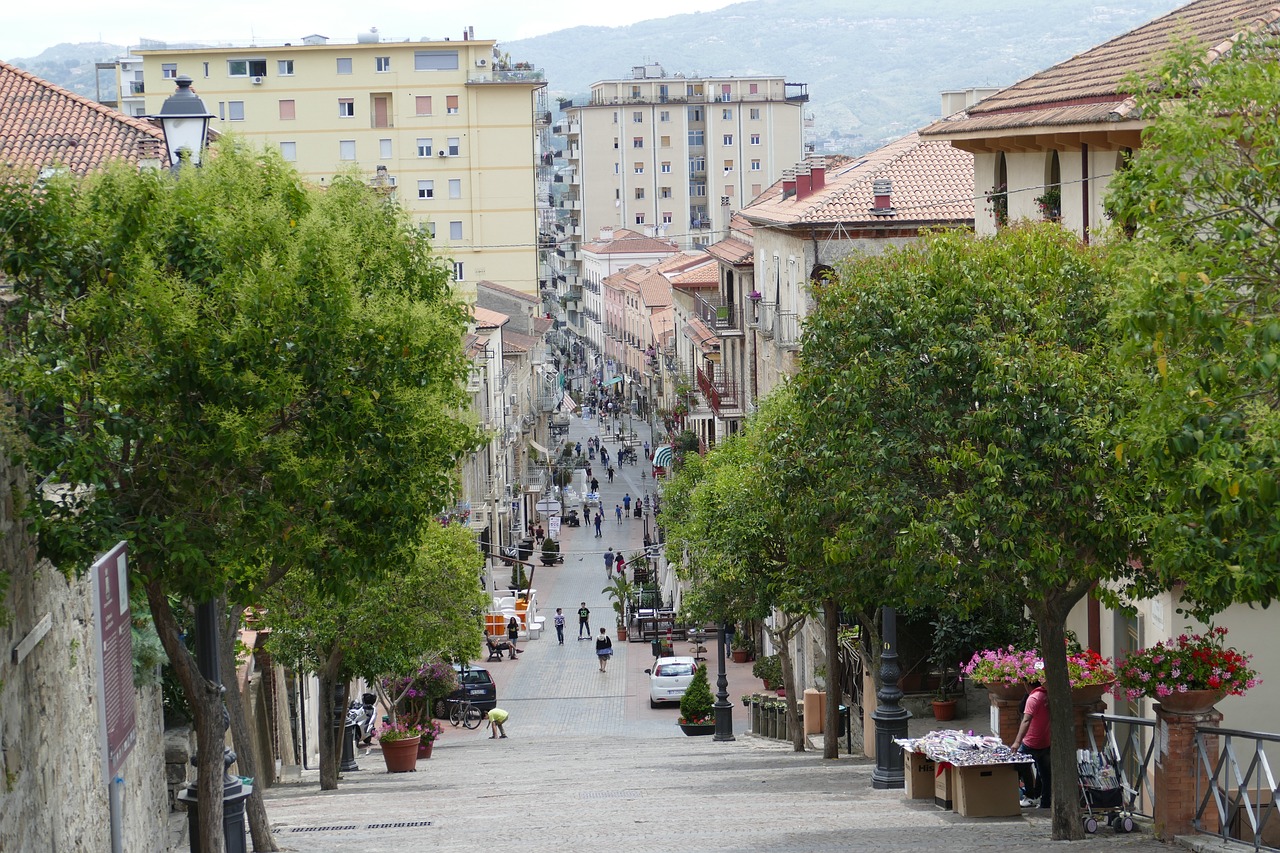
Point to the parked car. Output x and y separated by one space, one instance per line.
477 685
669 678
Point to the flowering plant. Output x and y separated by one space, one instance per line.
430 731
1194 662
414 695
1003 666
754 296
399 731
1087 667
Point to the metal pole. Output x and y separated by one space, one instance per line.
724 708
890 717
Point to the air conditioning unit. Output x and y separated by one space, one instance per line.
257 81
442 153
481 63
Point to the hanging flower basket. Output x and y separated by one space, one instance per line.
1186 664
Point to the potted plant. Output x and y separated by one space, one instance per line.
952 636
620 590
696 708
519 580
743 647
550 552
412 697
769 670
1050 204
1188 674
998 198
431 730
1091 676
399 742
1005 672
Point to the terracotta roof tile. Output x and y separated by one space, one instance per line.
701 335
732 251
515 294
1086 88
699 277
931 182
541 325
655 290
45 125
627 242
514 342
486 319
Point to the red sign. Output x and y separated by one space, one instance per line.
114 652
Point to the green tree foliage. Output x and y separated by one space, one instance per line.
1201 315
968 388
696 705
237 373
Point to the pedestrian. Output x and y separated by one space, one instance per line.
1033 739
610 473
646 450
617 510
589 476
604 649
626 502
608 562
494 719
584 622
620 563
559 623
577 449
513 634
539 534
599 517
595 484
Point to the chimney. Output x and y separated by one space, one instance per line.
818 173
606 233
882 190
804 182
788 183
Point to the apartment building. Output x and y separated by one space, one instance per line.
449 126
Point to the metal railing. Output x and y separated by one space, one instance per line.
721 394
1243 795
786 328
1131 742
719 315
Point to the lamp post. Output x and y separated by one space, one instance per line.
890 717
724 708
185 121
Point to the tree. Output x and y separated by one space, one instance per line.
236 373
976 373
1200 312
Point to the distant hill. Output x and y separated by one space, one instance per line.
71 67
875 68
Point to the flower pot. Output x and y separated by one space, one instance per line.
1191 702
782 692
401 756
424 748
698 729
740 655
1089 693
944 709
1007 692
622 633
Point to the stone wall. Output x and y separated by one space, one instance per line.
54 797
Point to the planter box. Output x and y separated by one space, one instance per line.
697 729
987 791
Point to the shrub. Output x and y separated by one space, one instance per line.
768 668
696 704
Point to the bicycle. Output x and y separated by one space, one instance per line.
462 712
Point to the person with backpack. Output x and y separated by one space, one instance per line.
604 649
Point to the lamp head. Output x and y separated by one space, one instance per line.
185 121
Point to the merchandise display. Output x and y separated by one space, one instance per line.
962 749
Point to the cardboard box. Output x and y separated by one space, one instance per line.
989 790
919 772
944 787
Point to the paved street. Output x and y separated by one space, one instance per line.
588 766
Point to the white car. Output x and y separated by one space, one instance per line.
669 678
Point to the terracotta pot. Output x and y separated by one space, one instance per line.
782 692
1191 702
1007 691
424 748
944 709
740 655
1089 694
401 755
622 633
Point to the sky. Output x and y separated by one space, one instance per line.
29 28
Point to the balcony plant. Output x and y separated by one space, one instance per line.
1050 204
1188 664
998 201
696 707
755 296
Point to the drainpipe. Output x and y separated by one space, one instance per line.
1084 190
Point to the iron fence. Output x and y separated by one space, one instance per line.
1243 795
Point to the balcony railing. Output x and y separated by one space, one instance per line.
136 87
719 316
721 394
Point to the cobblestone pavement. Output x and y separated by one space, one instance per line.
589 767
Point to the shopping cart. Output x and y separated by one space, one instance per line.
1102 794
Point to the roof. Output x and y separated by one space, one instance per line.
706 274
662 321
44 125
508 291
931 182
655 291
541 325
628 242
516 343
1086 88
732 251
702 336
486 319
681 261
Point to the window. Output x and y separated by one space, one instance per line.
617 170
639 218
289 151
615 116
697 137
664 192
728 139
728 193
427 189
728 166
346 107
169 70
637 118
455 229
435 60
639 168
755 139
451 105
695 114
455 188
755 88
206 68
637 142
698 164
235 110
422 105
424 147
665 115
237 68
457 269
453 145
726 114
287 111
615 142
755 190
635 91
430 229
666 217
384 148
698 189
347 149
284 67
382 63
666 167
665 141
755 165
755 113
639 192
344 65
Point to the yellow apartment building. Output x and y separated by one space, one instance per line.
449 125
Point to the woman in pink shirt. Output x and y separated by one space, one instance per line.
1033 740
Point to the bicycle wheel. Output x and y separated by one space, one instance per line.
472 718
456 713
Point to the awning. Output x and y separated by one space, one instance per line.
539 448
662 456
566 403
614 381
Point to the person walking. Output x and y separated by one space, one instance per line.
595 485
610 473
1033 739
513 634
608 563
598 519
577 449
604 649
559 623
617 510
494 719
584 622
626 503
620 563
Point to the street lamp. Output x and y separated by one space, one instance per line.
890 717
185 121
723 707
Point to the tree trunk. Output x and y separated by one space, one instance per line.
330 745
205 699
1062 739
782 639
831 725
246 763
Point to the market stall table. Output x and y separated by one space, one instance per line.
975 774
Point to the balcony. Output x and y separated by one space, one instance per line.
567 128
721 317
796 92
569 204
136 87
574 152
569 251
